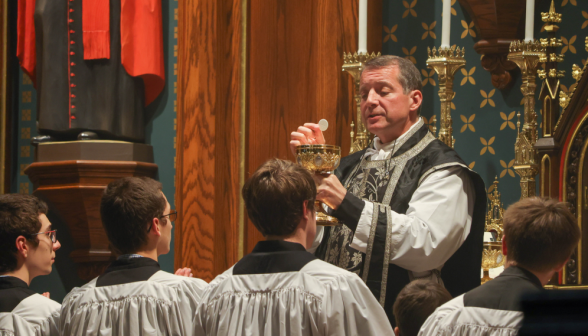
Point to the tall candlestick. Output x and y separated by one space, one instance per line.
446 27
530 22
363 8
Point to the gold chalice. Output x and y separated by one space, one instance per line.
322 159
491 258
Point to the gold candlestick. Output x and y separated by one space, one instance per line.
527 56
445 62
353 64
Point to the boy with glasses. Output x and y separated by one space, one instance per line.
134 296
27 250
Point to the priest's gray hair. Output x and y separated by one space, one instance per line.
408 76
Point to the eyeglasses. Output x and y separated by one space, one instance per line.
173 215
51 234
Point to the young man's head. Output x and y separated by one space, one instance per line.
279 198
539 234
27 240
415 302
136 216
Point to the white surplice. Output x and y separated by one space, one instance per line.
319 299
162 305
36 315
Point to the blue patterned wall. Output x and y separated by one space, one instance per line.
484 118
161 134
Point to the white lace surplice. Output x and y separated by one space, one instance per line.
320 299
163 305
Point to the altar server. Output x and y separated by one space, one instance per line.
134 296
27 250
415 302
280 288
539 237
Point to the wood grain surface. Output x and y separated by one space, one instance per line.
293 62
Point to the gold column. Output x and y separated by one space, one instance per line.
353 64
527 56
445 62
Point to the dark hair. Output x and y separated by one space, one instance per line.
415 303
19 216
274 196
127 208
540 233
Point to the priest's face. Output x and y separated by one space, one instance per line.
40 258
385 109
163 246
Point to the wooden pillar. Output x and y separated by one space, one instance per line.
249 73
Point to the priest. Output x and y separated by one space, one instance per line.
410 206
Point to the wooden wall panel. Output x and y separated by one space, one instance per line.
293 65
295 58
207 164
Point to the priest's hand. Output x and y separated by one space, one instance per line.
308 134
187 272
329 190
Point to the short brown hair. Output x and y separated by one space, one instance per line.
415 303
540 233
19 216
127 208
274 196
408 74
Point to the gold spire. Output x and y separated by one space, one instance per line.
551 18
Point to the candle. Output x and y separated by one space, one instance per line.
446 27
529 23
362 27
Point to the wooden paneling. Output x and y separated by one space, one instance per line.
295 57
207 146
293 64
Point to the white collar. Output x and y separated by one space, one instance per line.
388 147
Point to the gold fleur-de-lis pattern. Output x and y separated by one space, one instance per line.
467 123
565 2
389 33
429 30
507 120
410 54
409 8
508 169
428 77
488 98
430 122
468 76
568 44
487 145
585 15
468 29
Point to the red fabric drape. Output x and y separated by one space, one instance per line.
25 49
96 28
142 44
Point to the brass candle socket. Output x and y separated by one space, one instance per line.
445 62
321 159
353 64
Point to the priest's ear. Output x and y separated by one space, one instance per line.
416 97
